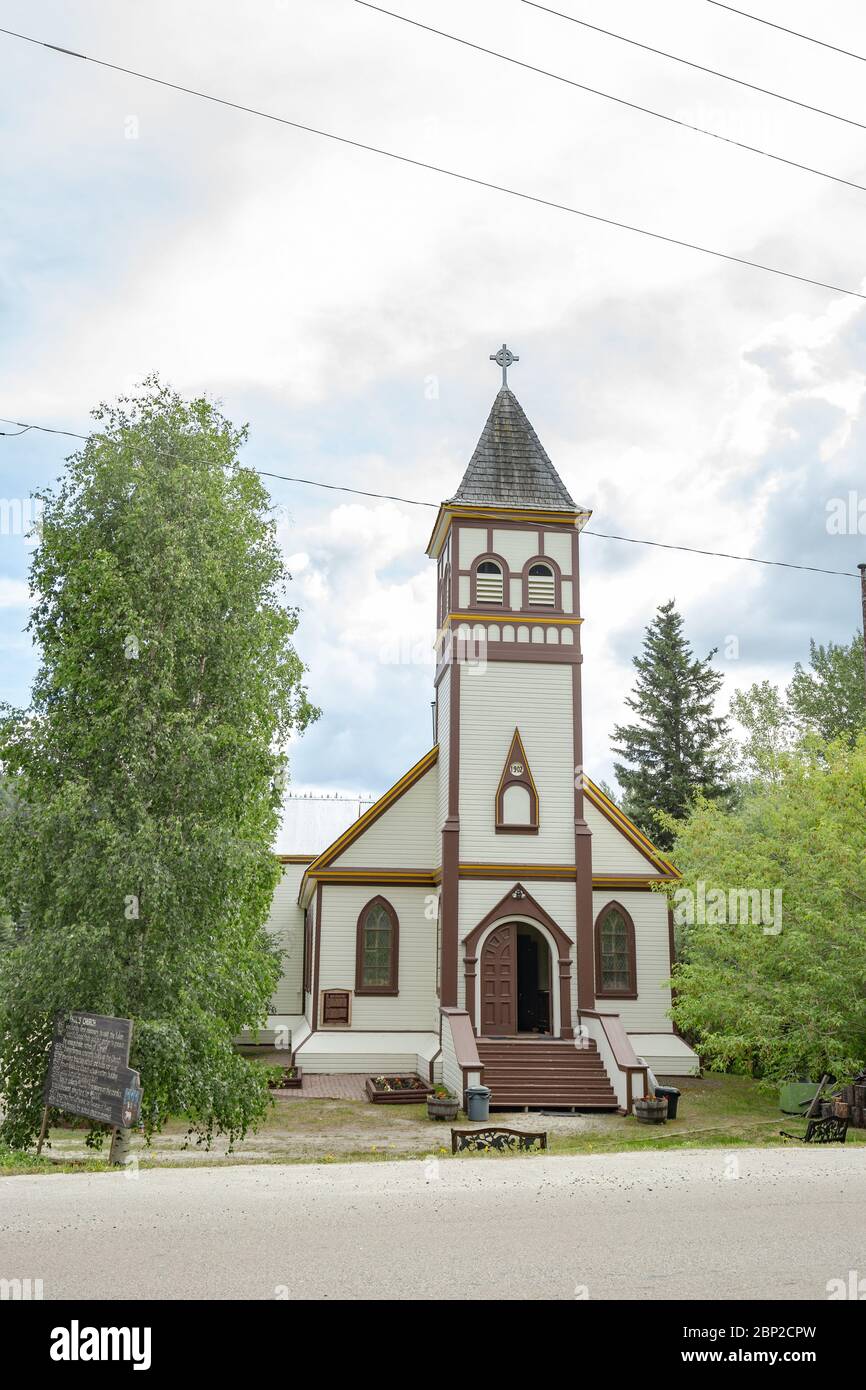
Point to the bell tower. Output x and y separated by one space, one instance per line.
508 703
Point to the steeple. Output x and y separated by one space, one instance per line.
510 466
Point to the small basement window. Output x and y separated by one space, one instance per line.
336 1008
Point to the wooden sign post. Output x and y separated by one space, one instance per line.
89 1072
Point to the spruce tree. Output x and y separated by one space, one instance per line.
676 749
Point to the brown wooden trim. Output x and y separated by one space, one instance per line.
408 878
562 872
449 931
295 858
507 909
630 883
582 844
600 991
308 951
501 518
314 1005
392 987
516 753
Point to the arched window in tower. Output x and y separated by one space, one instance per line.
377 949
516 795
615 967
541 585
488 582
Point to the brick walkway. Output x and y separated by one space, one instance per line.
339 1086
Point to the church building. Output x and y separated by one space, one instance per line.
492 917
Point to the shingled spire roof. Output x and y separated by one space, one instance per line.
510 467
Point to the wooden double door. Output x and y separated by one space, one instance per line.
512 1000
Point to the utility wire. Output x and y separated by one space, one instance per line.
609 96
699 67
449 173
785 30
414 502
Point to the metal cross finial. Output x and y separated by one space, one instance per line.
504 357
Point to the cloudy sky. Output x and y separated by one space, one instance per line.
345 305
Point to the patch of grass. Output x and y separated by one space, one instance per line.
715 1112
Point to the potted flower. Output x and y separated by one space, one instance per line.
651 1110
442 1104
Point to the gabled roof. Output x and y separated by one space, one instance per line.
369 817
627 827
510 466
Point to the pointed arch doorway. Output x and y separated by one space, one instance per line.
516 977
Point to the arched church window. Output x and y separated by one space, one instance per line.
377 949
615 967
540 586
489 582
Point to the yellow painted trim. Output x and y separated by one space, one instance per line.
373 813
515 619
626 881
385 876
466 511
628 828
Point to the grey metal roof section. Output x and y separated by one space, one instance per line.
510 466
310 824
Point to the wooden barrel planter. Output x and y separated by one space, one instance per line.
442 1107
651 1112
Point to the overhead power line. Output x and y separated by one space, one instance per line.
440 169
699 67
771 24
415 502
609 96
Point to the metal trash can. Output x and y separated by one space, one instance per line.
672 1096
478 1102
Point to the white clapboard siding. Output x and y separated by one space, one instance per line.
286 925
612 851
649 912
370 1054
537 699
404 837
516 547
470 542
557 544
415 1006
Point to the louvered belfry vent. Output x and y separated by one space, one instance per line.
541 586
488 582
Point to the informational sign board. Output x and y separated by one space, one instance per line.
89 1072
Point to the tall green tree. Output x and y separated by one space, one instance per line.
828 698
676 748
779 994
825 700
146 776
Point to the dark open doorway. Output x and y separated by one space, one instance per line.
533 981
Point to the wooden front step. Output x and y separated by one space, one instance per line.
545 1072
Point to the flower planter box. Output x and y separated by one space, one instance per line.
651 1112
397 1090
442 1107
291 1080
